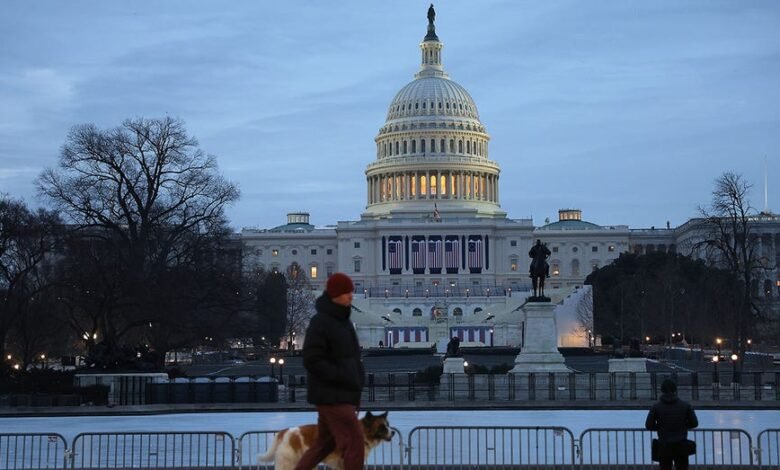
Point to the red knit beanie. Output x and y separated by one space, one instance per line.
338 284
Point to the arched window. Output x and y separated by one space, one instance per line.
397 310
460 146
417 312
433 145
452 145
396 147
423 186
513 264
422 145
433 185
405 147
441 146
468 147
443 185
457 312
575 267
414 146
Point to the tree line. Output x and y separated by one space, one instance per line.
713 291
133 257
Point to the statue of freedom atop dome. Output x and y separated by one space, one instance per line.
431 14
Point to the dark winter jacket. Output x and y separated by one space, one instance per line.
672 418
331 356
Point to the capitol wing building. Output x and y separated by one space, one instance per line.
434 255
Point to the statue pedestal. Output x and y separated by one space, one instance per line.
453 365
540 348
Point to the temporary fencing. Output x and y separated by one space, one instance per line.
427 447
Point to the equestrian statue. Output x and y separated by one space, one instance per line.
539 271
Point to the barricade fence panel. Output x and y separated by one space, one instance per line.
768 451
630 448
23 451
253 444
426 447
153 450
469 446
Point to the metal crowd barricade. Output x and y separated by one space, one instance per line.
23 451
434 447
152 450
253 444
630 448
768 451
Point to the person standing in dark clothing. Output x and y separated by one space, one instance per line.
331 357
671 418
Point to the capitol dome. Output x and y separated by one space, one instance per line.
432 148
428 96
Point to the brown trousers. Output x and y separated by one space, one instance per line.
338 429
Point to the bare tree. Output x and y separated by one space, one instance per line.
728 239
148 200
584 312
300 303
26 238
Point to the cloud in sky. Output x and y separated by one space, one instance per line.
626 110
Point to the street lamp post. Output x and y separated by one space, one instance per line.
735 373
281 371
273 365
715 378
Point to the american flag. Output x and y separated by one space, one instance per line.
475 254
418 254
451 254
436 215
395 255
434 254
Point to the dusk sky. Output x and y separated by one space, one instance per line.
627 110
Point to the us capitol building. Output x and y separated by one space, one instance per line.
434 255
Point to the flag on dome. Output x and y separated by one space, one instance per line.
436 215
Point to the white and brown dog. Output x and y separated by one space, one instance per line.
290 444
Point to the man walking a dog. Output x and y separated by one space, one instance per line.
331 356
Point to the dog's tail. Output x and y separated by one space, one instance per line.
269 455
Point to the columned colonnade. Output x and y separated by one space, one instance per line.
433 184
